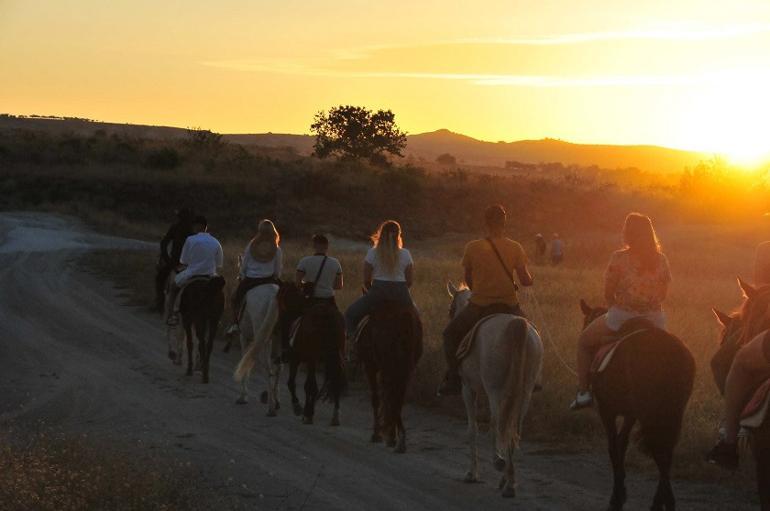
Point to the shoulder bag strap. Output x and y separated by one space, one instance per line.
505 268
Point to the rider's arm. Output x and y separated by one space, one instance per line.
338 283
611 279
409 275
525 278
368 271
278 262
164 246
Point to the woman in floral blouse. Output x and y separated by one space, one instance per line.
635 285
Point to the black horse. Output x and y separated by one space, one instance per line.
320 338
648 381
201 308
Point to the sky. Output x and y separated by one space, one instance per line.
691 74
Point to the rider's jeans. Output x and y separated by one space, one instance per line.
380 292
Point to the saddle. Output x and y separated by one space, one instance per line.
607 351
755 413
467 343
194 278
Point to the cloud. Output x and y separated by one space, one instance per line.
664 56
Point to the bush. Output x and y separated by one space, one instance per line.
165 158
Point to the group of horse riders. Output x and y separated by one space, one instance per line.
636 283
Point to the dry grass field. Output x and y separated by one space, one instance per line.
704 259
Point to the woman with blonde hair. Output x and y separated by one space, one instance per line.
388 274
635 285
262 263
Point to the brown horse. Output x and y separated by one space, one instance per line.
320 338
389 346
201 307
648 381
743 325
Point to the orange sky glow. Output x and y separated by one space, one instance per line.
690 74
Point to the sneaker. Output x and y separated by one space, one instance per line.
451 386
233 329
584 399
723 454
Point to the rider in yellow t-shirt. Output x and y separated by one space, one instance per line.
489 267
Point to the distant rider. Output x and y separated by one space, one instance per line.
170 250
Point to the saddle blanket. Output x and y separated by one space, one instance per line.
467 343
755 413
604 356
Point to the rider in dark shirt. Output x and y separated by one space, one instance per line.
170 250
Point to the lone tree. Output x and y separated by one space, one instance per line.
355 132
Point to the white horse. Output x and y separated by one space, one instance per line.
260 340
504 361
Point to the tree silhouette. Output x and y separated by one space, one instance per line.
355 132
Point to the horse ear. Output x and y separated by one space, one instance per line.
748 290
587 310
451 288
722 318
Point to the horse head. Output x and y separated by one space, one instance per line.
590 313
460 296
729 344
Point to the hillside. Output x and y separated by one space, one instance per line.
425 146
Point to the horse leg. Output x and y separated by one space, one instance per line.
371 375
664 496
398 427
274 374
618 498
469 398
509 486
311 392
211 333
292 384
762 455
189 339
201 333
336 413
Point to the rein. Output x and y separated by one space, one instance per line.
554 348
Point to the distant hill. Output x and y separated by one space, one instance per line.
427 146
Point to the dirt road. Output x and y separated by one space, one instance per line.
71 355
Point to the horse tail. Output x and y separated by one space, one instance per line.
261 337
520 381
660 391
335 381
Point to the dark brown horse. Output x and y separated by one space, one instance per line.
320 338
201 307
648 381
389 347
738 328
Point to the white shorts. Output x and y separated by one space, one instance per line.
617 316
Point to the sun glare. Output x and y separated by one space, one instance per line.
728 115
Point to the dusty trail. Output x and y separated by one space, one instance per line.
72 356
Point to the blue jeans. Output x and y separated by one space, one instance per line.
381 291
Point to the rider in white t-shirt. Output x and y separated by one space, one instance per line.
325 280
388 275
201 256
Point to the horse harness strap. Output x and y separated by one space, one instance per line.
502 263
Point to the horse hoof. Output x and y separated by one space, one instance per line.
470 477
172 355
241 400
189 373
297 409
263 397
391 442
509 492
335 421
205 379
499 464
376 439
271 413
307 420
400 449
277 405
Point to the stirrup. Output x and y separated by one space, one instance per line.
582 400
